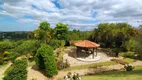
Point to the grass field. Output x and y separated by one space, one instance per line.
136 74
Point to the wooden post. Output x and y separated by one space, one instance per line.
77 51
96 51
93 53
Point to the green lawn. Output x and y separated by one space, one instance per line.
136 74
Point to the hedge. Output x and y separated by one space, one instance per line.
18 71
45 60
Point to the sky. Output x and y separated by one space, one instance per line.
25 15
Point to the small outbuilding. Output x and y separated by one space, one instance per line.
86 48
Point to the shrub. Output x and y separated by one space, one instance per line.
11 56
6 45
18 71
129 54
61 64
1 60
128 67
45 60
27 46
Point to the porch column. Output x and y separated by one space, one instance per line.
77 51
93 53
96 51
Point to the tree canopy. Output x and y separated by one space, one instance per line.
79 35
43 33
61 31
113 34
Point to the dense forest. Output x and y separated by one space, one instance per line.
17 35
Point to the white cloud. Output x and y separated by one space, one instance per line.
28 21
74 12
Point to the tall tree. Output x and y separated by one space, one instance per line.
43 33
61 31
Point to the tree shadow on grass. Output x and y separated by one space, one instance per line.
36 68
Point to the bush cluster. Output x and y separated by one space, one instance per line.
18 71
62 64
128 67
11 56
129 54
10 50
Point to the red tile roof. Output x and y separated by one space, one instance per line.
87 43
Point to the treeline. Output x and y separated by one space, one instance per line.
17 35
79 35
